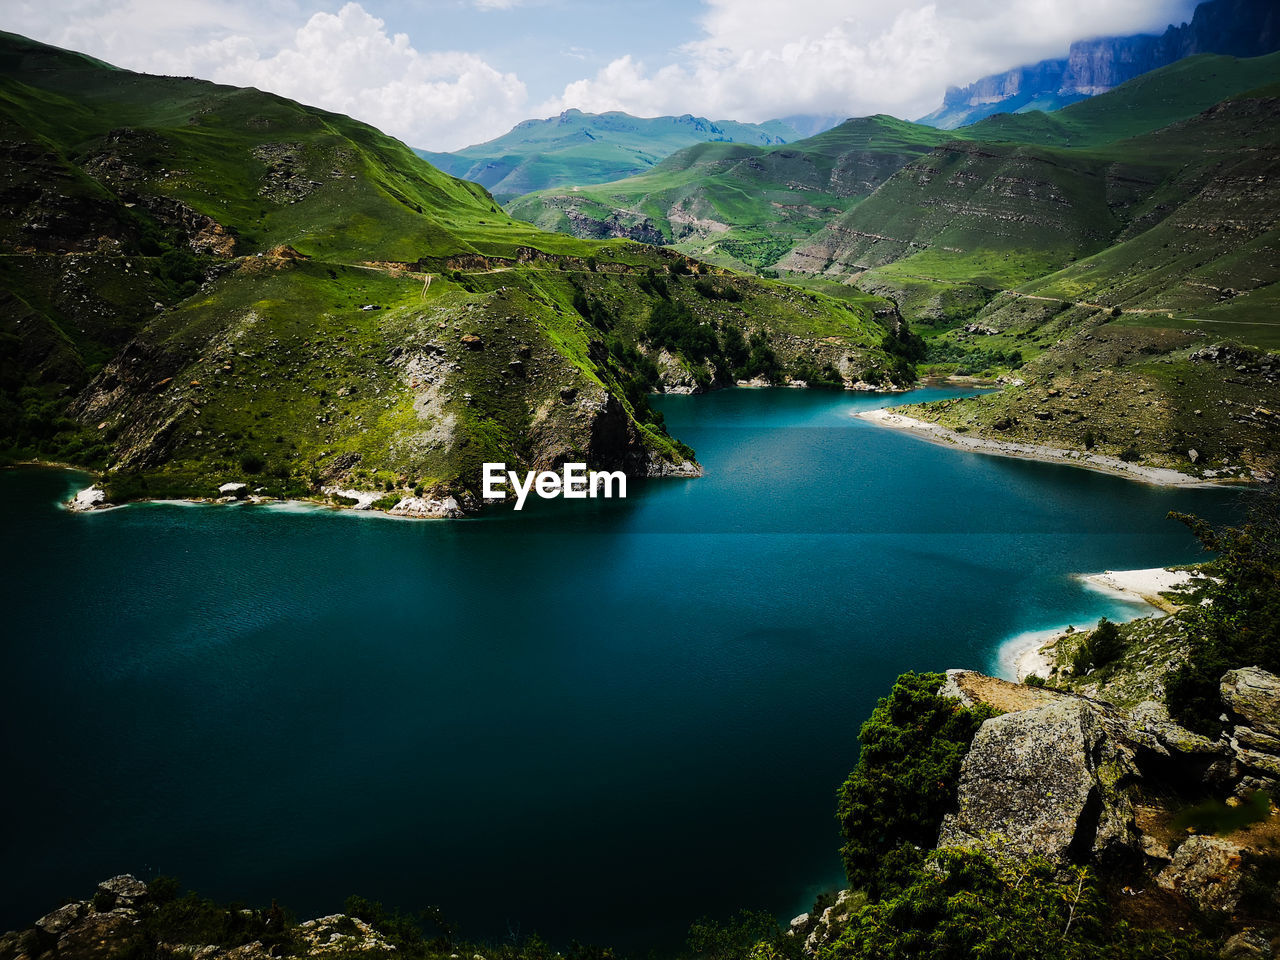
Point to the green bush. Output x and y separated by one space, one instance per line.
1102 646
1239 626
893 802
674 327
961 905
761 362
252 462
1106 643
741 935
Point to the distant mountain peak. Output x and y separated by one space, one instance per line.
578 148
1240 28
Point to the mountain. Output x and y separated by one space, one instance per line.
1132 283
747 207
1015 197
581 148
204 284
735 204
1239 28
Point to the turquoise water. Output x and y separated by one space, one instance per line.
594 719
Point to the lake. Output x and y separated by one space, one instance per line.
594 719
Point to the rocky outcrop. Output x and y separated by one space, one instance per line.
1253 696
339 935
1207 871
1054 781
817 929
1252 699
427 508
120 921
972 688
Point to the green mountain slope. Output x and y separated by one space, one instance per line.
204 284
1159 347
971 218
747 207
579 148
737 204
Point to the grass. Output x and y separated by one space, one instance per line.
578 148
256 359
747 203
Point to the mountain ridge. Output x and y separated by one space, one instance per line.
1240 28
574 147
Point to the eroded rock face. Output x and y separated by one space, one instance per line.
1054 781
1252 697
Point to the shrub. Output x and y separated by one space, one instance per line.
252 462
739 936
1240 624
1106 643
905 780
1130 454
962 904
761 361
673 326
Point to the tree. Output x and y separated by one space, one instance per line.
1106 643
1239 626
892 804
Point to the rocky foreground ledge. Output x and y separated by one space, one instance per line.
1080 781
120 921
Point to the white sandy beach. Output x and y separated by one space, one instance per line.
1030 653
1145 585
1030 451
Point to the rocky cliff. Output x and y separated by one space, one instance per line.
1181 827
1239 28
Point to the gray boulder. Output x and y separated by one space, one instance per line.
1248 944
60 920
1205 870
1253 695
126 889
1055 781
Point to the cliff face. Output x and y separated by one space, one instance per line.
1238 28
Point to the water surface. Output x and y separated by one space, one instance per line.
593 719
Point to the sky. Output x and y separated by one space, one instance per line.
442 74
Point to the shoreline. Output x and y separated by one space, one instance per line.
1099 463
1027 653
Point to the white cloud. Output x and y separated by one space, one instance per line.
754 59
346 62
767 58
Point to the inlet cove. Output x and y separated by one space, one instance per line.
596 719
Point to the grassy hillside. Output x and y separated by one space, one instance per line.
750 208
577 148
1155 347
205 284
735 204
